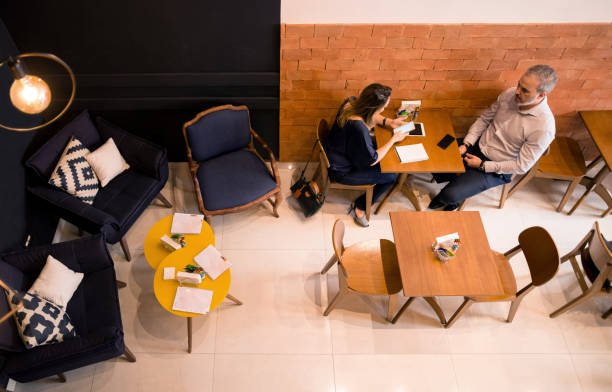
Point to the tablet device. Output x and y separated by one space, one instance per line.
446 141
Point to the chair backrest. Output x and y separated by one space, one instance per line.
217 131
541 254
43 161
337 238
599 251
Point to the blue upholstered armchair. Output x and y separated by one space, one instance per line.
117 205
93 310
228 173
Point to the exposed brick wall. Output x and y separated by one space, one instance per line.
458 67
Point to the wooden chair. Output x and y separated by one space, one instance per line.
596 260
543 260
563 160
368 267
322 131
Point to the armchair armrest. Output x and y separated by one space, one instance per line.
75 211
263 144
142 155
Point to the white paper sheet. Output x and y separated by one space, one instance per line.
411 153
186 223
191 299
211 261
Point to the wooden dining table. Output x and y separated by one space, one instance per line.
599 125
471 272
437 124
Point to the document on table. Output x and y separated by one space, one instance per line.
212 262
411 153
191 299
186 223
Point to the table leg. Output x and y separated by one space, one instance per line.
594 184
189 334
232 298
401 179
402 310
410 193
434 305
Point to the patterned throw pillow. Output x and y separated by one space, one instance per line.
74 174
40 321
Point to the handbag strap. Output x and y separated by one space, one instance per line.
310 158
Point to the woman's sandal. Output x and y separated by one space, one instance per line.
363 222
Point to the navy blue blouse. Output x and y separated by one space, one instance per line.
350 147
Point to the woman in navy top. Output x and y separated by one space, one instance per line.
352 151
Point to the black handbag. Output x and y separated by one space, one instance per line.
307 192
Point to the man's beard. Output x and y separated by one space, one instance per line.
531 102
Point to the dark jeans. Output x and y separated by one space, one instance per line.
371 175
473 181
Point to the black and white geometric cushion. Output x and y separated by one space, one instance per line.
40 321
74 174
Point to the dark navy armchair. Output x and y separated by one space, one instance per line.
228 173
118 204
93 310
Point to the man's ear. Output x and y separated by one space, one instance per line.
542 95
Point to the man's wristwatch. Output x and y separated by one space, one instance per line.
481 166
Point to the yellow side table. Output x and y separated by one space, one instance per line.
155 252
160 258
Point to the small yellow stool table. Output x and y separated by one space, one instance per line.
160 258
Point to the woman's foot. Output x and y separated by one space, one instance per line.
358 216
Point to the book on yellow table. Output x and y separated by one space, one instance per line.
212 262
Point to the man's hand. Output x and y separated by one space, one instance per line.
462 149
472 161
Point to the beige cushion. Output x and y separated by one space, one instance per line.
56 282
107 162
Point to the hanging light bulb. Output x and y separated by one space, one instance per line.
28 93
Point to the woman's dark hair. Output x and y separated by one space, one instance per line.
372 98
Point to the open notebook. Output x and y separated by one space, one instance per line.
411 153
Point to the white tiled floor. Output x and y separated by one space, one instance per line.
280 341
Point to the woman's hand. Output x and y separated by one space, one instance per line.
398 136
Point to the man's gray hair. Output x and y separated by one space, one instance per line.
546 75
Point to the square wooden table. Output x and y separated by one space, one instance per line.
472 272
599 125
437 124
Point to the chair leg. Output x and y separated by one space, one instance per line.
234 299
330 263
164 201
606 314
62 377
573 303
517 301
126 249
402 309
462 205
277 201
434 305
335 301
391 306
464 306
129 355
570 190
504 195
521 183
369 194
